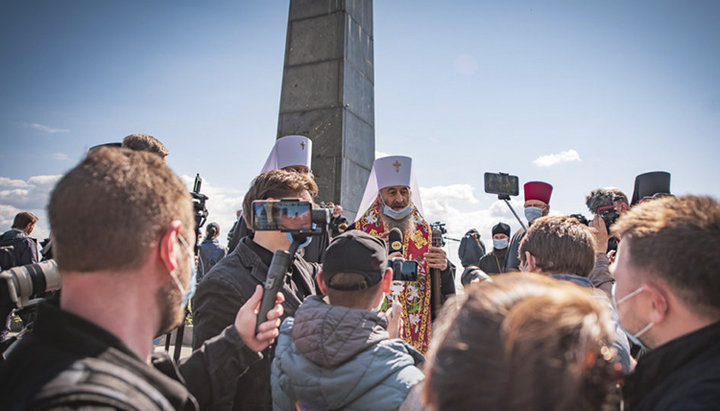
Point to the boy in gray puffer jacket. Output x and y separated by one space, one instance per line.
339 355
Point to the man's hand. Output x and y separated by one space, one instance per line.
600 232
436 258
394 323
247 317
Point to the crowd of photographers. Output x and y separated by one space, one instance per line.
619 312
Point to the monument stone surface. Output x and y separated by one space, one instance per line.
327 93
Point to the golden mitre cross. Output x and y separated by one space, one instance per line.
397 165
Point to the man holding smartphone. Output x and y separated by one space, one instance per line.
233 280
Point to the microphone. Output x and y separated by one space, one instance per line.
395 241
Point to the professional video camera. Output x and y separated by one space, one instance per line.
603 202
24 286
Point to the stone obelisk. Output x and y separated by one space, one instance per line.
327 93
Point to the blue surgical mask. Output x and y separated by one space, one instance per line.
397 214
635 338
500 244
533 213
190 292
304 244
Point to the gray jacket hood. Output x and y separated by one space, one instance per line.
329 335
331 357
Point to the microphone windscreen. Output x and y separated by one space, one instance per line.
395 240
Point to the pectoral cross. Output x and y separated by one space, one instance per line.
302 144
397 165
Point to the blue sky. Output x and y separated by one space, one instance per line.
602 91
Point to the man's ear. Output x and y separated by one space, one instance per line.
169 245
387 280
321 282
659 303
530 262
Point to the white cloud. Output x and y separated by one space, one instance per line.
552 159
47 129
222 204
8 182
466 64
59 156
379 154
457 207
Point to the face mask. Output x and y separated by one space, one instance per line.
500 244
190 292
301 246
635 338
532 213
397 214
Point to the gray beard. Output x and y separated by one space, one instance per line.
405 225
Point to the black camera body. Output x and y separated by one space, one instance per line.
404 270
609 215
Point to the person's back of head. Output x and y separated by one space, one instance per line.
212 230
354 272
107 211
144 142
524 342
22 220
558 245
673 243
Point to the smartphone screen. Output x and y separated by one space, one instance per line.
282 215
503 184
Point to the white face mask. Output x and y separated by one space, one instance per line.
533 213
635 338
190 292
500 244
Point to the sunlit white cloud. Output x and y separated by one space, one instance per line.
557 158
466 64
222 204
46 129
380 154
8 182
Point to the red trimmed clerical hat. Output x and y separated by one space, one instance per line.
538 190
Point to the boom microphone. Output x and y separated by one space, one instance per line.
395 241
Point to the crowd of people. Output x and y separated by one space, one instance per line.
620 312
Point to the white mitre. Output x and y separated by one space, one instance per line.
289 151
386 172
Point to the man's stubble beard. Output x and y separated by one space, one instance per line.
169 300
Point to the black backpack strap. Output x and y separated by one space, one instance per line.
99 384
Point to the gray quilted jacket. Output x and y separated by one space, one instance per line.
331 357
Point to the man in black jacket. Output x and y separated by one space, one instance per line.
123 230
232 281
16 246
667 297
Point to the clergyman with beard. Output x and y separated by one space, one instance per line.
392 200
123 231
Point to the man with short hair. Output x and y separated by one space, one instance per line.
563 248
340 355
144 142
667 295
126 274
494 261
232 281
537 204
392 200
16 246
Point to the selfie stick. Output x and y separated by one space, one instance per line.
275 278
506 198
